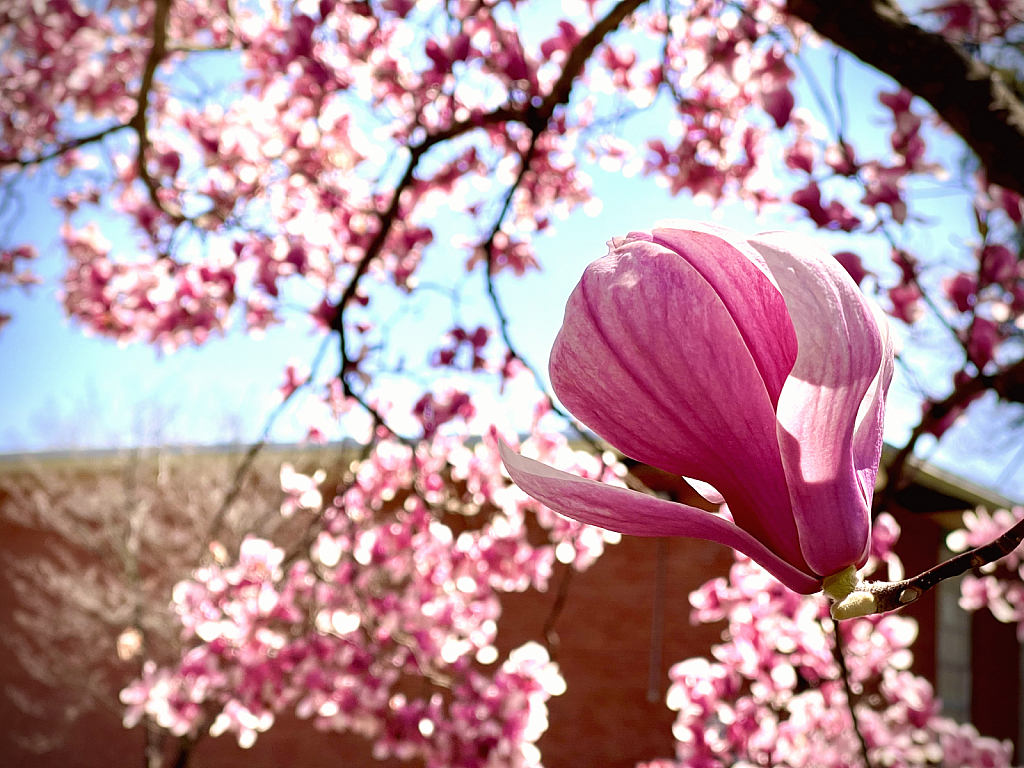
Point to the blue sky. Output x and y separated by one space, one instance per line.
60 388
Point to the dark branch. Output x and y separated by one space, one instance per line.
535 119
548 633
157 52
967 93
61 149
488 248
844 674
1007 383
242 472
581 54
888 596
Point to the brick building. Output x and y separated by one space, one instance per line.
623 623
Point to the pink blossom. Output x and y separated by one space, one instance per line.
295 376
852 263
993 196
961 290
939 427
834 216
982 341
774 76
841 158
906 302
800 155
433 411
998 264
773 695
563 41
741 363
302 491
980 528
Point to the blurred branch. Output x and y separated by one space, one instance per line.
844 674
657 623
1007 383
254 450
67 146
157 52
535 118
548 633
967 94
488 248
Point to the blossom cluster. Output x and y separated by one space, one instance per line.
402 581
13 271
297 149
337 131
999 586
773 692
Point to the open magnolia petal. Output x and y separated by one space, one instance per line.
628 364
638 514
840 352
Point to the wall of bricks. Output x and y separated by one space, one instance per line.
604 634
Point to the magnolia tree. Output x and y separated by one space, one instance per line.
227 164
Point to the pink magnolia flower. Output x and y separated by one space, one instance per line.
756 366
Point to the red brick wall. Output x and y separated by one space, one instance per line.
604 631
604 719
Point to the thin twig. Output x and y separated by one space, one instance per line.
535 118
537 122
837 92
657 623
67 146
551 639
844 674
818 92
488 248
242 473
157 52
960 397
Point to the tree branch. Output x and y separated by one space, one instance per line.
534 117
844 674
550 637
880 597
242 472
536 120
138 123
1007 383
967 93
67 146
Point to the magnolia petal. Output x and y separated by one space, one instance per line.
867 437
707 491
840 354
637 514
748 290
651 359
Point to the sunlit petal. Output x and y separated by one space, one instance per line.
840 355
